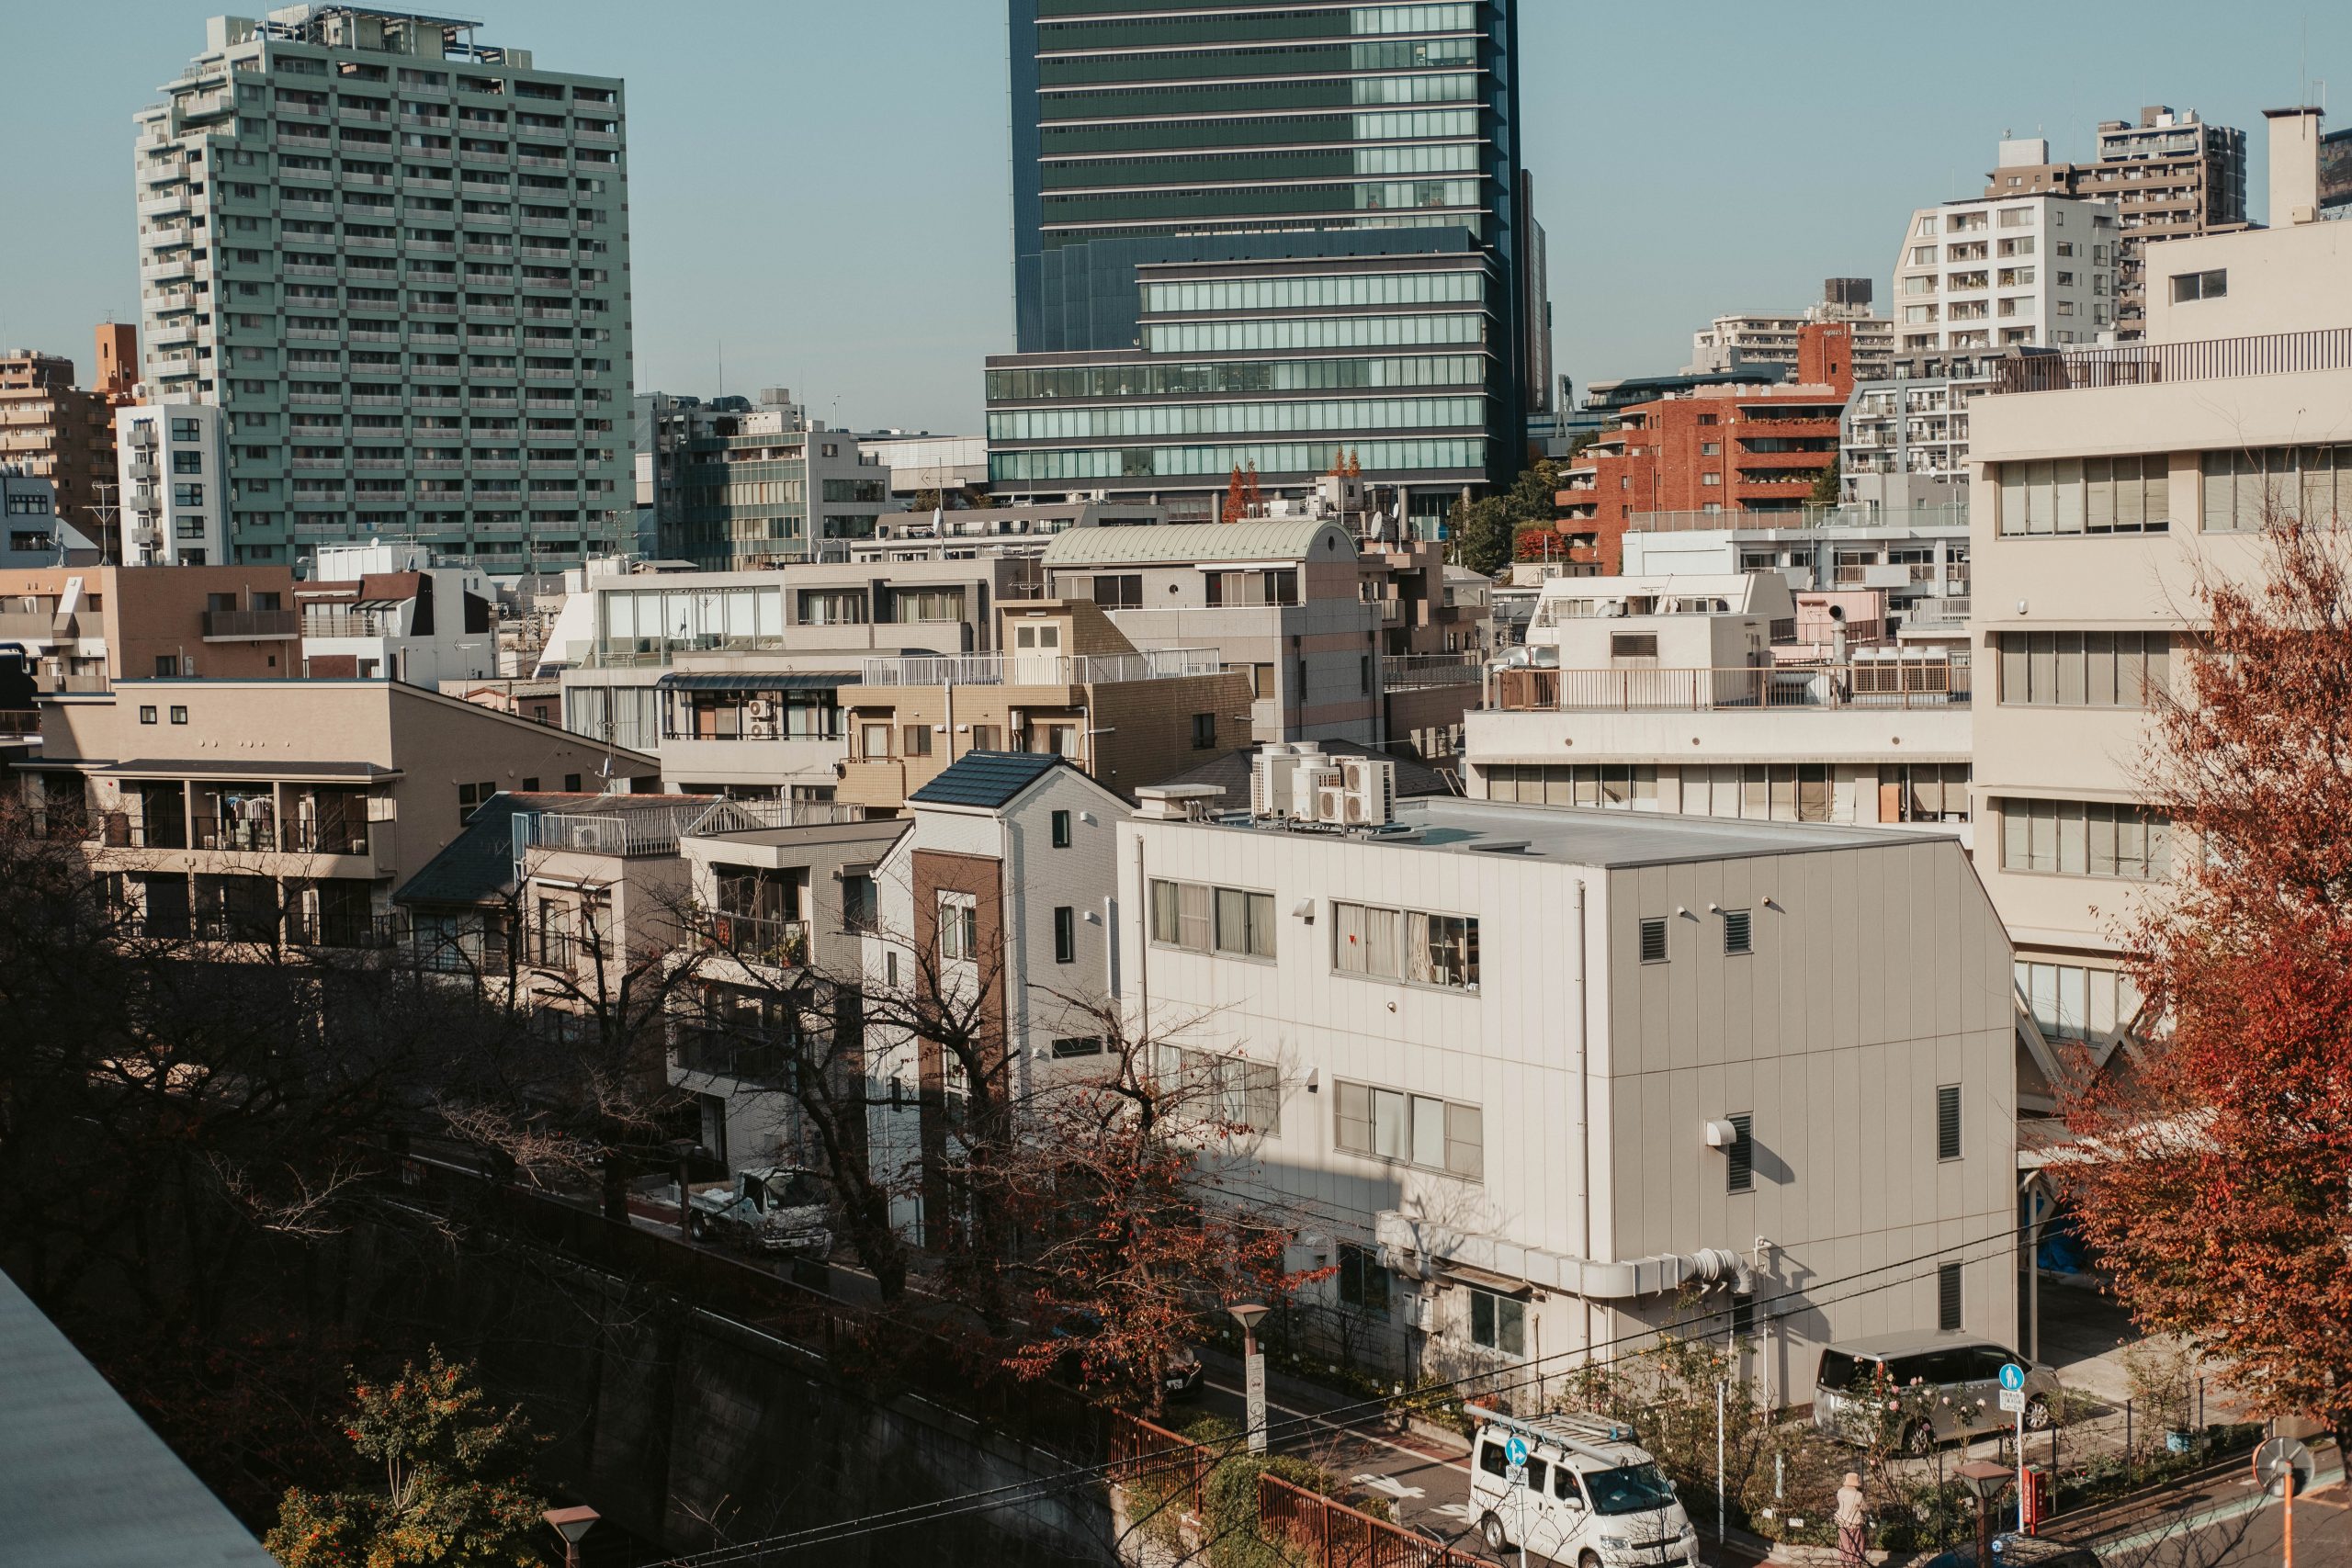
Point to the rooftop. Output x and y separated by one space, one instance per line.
1595 837
1179 544
987 779
1230 772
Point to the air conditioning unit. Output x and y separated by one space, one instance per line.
1270 775
1307 782
1371 785
1332 803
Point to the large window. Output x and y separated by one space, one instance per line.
1138 380
1245 922
959 926
1204 919
2243 491
2070 1001
1233 1090
2098 669
1418 948
1498 1322
927 604
1235 418
1271 457
2088 495
2086 838
1926 792
1364 1283
1411 1129
833 607
1313 332
1295 293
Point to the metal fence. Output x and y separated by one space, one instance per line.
1041 669
2207 359
1333 1535
1818 517
1875 683
1420 672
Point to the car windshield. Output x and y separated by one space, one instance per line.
1630 1489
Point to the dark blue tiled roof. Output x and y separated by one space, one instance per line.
986 779
476 865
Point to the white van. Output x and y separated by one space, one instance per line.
1576 1489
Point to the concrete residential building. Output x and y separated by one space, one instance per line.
1695 694
177 494
52 429
2107 482
968 532
31 533
737 485
1903 444
1915 558
1717 449
390 612
1281 600
1067 684
396 259
261 809
1299 235
1997 273
1525 1076
2170 174
84 628
1003 882
1752 342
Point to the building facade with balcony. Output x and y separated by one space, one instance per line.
1755 341
79 629
1068 683
734 485
396 260
1534 1082
267 809
51 429
1988 272
1914 559
2109 483
173 459
392 613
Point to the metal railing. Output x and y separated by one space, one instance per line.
218 833
342 929
762 939
1420 672
653 831
732 723
54 684
2207 359
1872 683
251 623
1041 669
1955 516
350 623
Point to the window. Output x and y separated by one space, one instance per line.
1497 1322
2088 495
167 665
1411 1129
1061 830
1234 1091
530 786
915 740
1947 1297
861 904
1653 940
1926 792
984 738
1245 922
1179 914
1948 1121
146 716
179 714
1123 591
1076 1046
471 797
2071 1001
2246 490
2100 669
1364 1283
571 784
2188 286
1205 732
2084 837
1416 948
1632 645
959 926
1711 478
1737 932
1064 934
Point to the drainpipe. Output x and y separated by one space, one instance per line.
1584 1103
1143 946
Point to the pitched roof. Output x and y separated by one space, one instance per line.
1274 538
986 779
1232 772
479 864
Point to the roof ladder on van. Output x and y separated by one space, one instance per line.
1576 1433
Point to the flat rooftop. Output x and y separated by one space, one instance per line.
1593 835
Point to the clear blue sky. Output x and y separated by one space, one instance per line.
822 187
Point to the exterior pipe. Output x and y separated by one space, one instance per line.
1584 1103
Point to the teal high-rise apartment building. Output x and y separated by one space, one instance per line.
1274 236
398 261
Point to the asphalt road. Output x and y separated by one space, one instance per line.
2242 1532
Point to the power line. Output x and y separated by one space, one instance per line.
1041 1488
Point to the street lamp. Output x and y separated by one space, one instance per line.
1253 1372
571 1524
1985 1481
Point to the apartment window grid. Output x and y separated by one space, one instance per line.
2130 494
1420 1130
2245 491
959 927
2084 837
1231 1090
1414 947
2084 668
1231 921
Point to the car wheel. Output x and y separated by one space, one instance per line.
1491 1529
698 1227
1588 1558
1919 1439
2038 1416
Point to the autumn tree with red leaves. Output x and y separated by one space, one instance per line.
2212 1168
1236 499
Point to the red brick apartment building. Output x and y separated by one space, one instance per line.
1740 449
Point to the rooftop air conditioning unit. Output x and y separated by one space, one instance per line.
1371 788
1307 782
1332 804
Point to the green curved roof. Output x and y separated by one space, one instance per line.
1180 544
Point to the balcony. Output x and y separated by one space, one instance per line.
50 683
333 927
1418 672
755 938
1805 517
1872 683
250 626
1042 669
2140 364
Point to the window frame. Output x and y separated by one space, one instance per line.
958 938
1406 944
1065 934
1059 832
1382 1128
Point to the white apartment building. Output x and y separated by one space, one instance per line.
392 613
1992 272
1915 557
2107 481
1903 440
172 467
1744 340
1524 1076
1668 693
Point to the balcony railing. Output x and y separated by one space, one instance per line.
1863 517
758 939
2141 365
337 929
1875 683
1420 672
233 833
711 1051
51 684
1042 669
233 624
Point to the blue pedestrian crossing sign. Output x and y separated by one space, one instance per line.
2012 1376
1515 1451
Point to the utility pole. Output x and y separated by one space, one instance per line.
108 518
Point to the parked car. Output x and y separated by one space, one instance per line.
2022 1552
779 1209
1183 1375
1583 1492
1963 1374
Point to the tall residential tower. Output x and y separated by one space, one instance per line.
398 261
1269 236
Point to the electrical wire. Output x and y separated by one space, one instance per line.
1041 1488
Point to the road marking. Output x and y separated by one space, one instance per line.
1462 1511
2217 1516
1388 1484
1328 1425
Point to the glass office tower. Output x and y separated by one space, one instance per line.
1288 236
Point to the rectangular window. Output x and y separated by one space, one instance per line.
2129 494
1947 1313
1948 1121
1497 1322
2077 838
861 902
1060 828
146 716
1234 1091
1123 591
1420 1129
471 797
959 926
1064 934
1739 1167
2247 490
1205 732
1391 944
1077 1045
1364 1283
1737 931
2069 669
915 740
1245 922
1653 940
2188 286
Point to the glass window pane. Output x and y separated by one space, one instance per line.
1389 1125
2070 669
2015 825
2069 481
2070 837
2099 673
1428 1131
1466 1141
1354 1118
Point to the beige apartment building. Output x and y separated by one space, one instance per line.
2107 481
253 808
55 431
83 627
1069 681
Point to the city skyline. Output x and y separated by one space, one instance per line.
892 330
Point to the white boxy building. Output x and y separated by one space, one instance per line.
1526 1076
